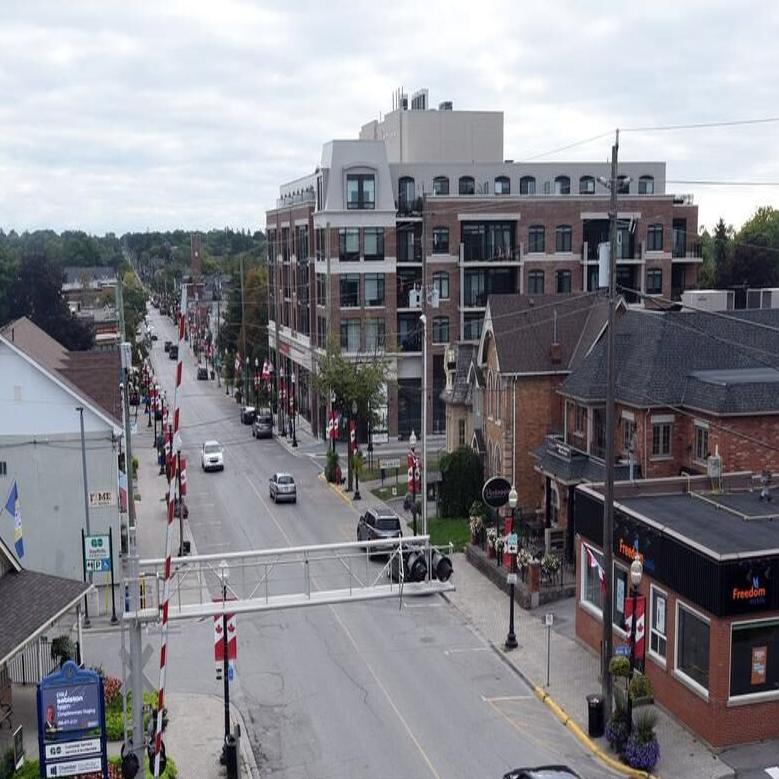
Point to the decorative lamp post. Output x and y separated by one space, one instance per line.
292 411
224 575
282 398
511 638
256 383
355 450
334 432
636 572
156 404
412 441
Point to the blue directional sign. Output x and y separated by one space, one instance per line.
623 650
71 723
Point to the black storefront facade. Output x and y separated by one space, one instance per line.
711 583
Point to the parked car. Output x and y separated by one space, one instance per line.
543 772
166 346
282 487
202 373
212 456
377 524
262 427
154 336
173 352
248 413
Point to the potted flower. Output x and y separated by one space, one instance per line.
550 565
500 542
640 689
642 750
476 515
492 537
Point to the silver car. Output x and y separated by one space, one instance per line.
282 487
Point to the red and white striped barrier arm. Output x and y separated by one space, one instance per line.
169 536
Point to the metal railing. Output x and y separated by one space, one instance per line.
23 667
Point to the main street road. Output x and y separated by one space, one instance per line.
353 690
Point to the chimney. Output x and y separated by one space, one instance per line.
555 350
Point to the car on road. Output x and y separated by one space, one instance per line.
543 772
173 352
262 427
378 524
247 414
282 487
154 336
212 456
167 345
202 373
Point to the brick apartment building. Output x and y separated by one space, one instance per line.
424 201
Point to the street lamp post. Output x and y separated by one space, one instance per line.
224 575
636 572
256 383
282 398
156 401
511 638
293 412
412 440
332 417
355 451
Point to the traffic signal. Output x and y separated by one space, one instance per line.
441 566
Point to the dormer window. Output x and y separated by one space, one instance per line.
360 191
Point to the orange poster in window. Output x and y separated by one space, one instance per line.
759 657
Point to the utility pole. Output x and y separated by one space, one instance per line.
216 340
243 337
80 410
423 319
608 499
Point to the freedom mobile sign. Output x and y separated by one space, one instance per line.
71 723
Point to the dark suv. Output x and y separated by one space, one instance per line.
377 524
262 427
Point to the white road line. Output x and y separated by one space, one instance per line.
500 698
434 605
773 772
467 649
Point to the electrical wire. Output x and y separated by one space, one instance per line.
700 125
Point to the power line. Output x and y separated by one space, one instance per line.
700 125
722 183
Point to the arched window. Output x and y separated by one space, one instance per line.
562 238
441 185
502 185
586 185
406 193
623 185
562 185
467 185
563 281
527 185
535 239
646 185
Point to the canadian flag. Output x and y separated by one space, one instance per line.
237 362
265 371
183 476
593 562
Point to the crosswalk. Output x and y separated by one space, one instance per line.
773 772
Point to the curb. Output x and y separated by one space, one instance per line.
334 489
247 755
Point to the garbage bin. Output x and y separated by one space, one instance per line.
595 724
230 754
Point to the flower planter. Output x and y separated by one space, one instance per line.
491 552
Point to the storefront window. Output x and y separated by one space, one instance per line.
620 594
592 565
692 646
754 658
658 639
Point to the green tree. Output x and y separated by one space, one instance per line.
755 258
462 478
722 253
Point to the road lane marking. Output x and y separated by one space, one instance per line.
467 649
499 698
773 772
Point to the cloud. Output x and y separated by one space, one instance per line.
191 113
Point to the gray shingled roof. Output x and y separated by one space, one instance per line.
28 602
689 359
524 328
461 388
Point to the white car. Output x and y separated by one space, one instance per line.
212 456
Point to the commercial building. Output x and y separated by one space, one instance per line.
710 556
423 213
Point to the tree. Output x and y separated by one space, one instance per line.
37 293
721 253
755 260
462 478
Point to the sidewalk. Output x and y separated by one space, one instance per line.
573 669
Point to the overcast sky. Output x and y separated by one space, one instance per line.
190 113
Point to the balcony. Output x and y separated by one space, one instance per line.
690 250
410 207
297 198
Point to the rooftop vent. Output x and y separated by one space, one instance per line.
445 106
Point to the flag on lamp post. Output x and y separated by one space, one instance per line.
12 507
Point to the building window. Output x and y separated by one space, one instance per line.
321 289
535 239
467 185
350 335
562 238
661 439
701 441
321 332
406 193
374 289
646 185
754 657
628 434
440 329
502 185
374 335
591 589
487 241
440 185
3 468
360 191
348 244
535 282
654 238
586 185
373 243
621 592
527 185
562 185
654 281
658 638
350 290
302 242
563 282
692 646
623 185
472 325
441 284
580 420
440 240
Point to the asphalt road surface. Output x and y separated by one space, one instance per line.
354 690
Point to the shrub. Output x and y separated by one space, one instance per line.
331 465
112 689
617 730
7 764
640 686
63 649
619 665
461 481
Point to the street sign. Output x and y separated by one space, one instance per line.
496 492
622 650
97 553
512 543
549 619
388 463
511 578
87 746
74 767
102 498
